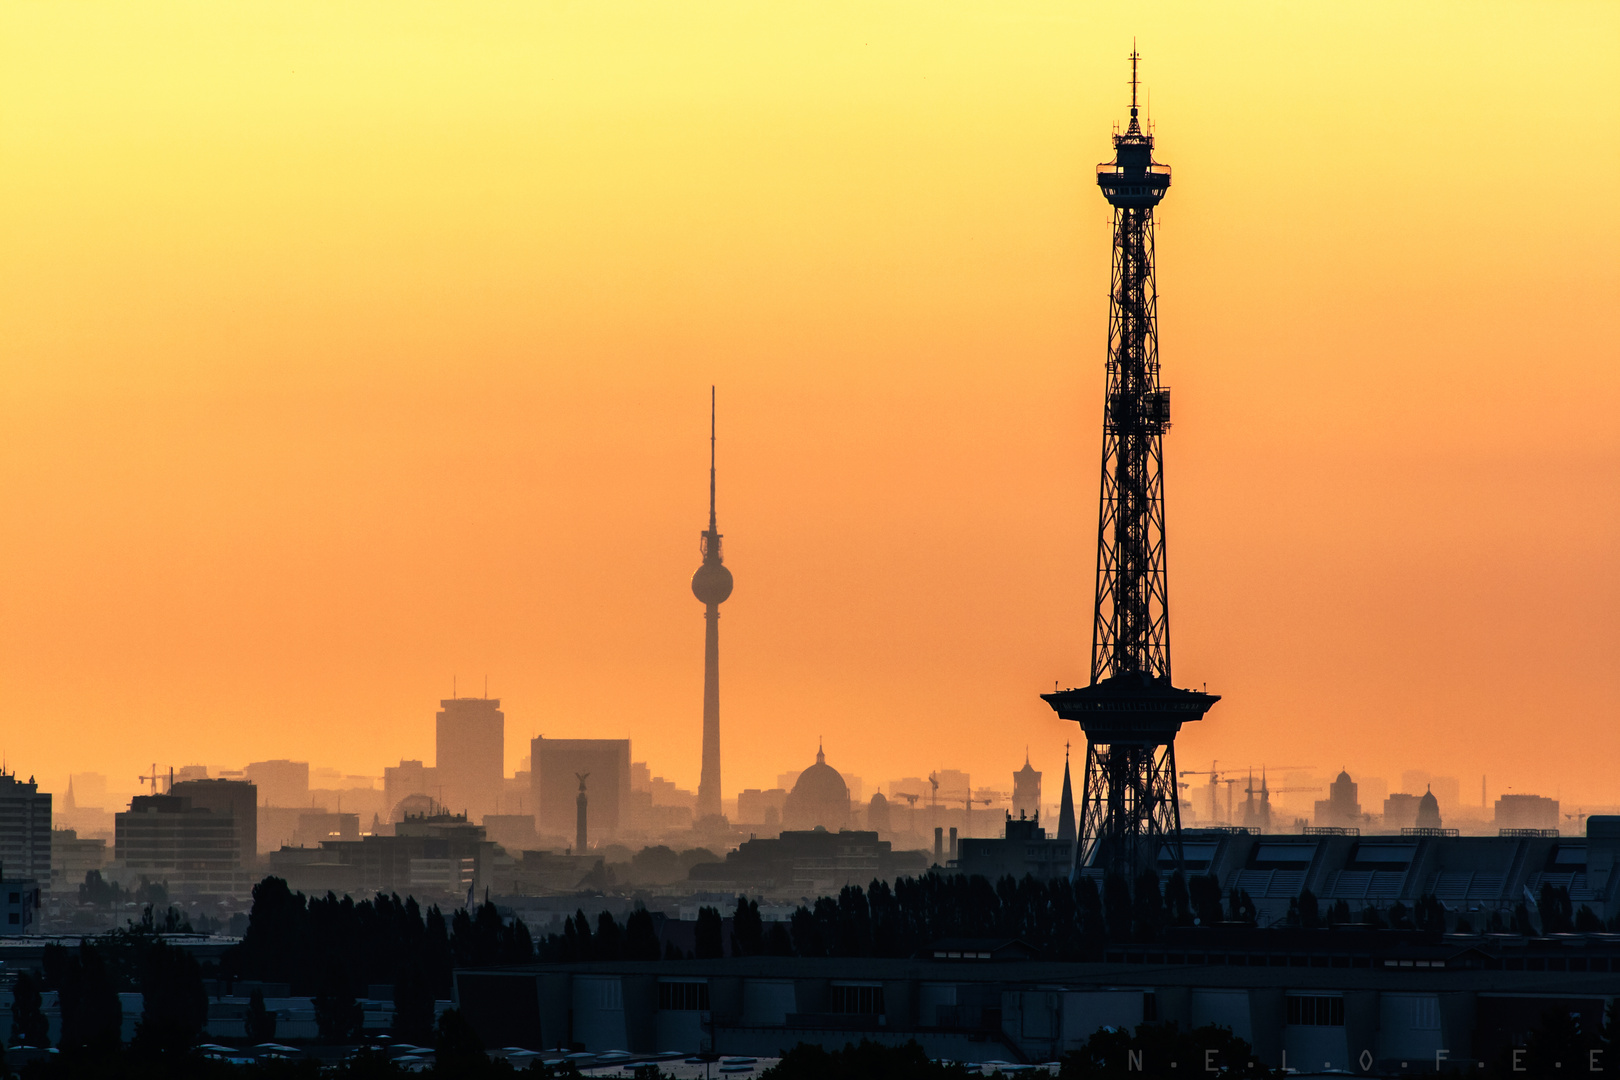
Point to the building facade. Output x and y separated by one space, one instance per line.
1376 1003
470 755
195 850
25 829
280 782
236 799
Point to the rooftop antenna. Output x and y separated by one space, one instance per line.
1135 56
452 686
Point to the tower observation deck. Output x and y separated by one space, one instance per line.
1131 711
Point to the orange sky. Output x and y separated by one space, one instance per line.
346 347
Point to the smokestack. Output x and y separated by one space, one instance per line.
953 842
579 816
939 845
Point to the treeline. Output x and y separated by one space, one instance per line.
336 947
88 980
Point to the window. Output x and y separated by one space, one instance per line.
16 897
15 918
685 996
858 1000
1426 1014
1316 1011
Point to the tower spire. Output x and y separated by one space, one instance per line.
1066 828
1135 82
712 528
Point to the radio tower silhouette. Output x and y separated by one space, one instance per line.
1130 813
712 585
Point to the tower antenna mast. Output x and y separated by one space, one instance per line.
1130 810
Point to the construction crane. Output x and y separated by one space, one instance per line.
968 806
154 777
1261 815
1214 775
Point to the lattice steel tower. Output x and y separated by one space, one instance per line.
1130 814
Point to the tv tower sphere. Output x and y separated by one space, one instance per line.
712 582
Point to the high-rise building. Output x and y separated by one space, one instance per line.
25 830
239 799
1131 710
193 848
555 765
280 782
711 585
470 755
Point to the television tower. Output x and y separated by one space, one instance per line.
711 584
1130 814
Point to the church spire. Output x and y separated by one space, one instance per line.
1066 830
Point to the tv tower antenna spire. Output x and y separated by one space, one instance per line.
1130 814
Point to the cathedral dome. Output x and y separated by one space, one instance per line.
819 797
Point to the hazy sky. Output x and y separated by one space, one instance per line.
348 347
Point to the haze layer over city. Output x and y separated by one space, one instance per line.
379 368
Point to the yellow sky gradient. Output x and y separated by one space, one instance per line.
347 347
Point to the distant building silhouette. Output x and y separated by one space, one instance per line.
814 862
555 765
72 857
237 799
754 807
435 857
406 779
1428 811
1024 849
196 850
1026 794
1400 811
1526 812
470 754
819 798
1340 809
25 830
280 782
877 814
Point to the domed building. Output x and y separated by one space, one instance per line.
819 797
1428 814
877 814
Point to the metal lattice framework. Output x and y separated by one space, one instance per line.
1130 812
1130 809
1132 629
